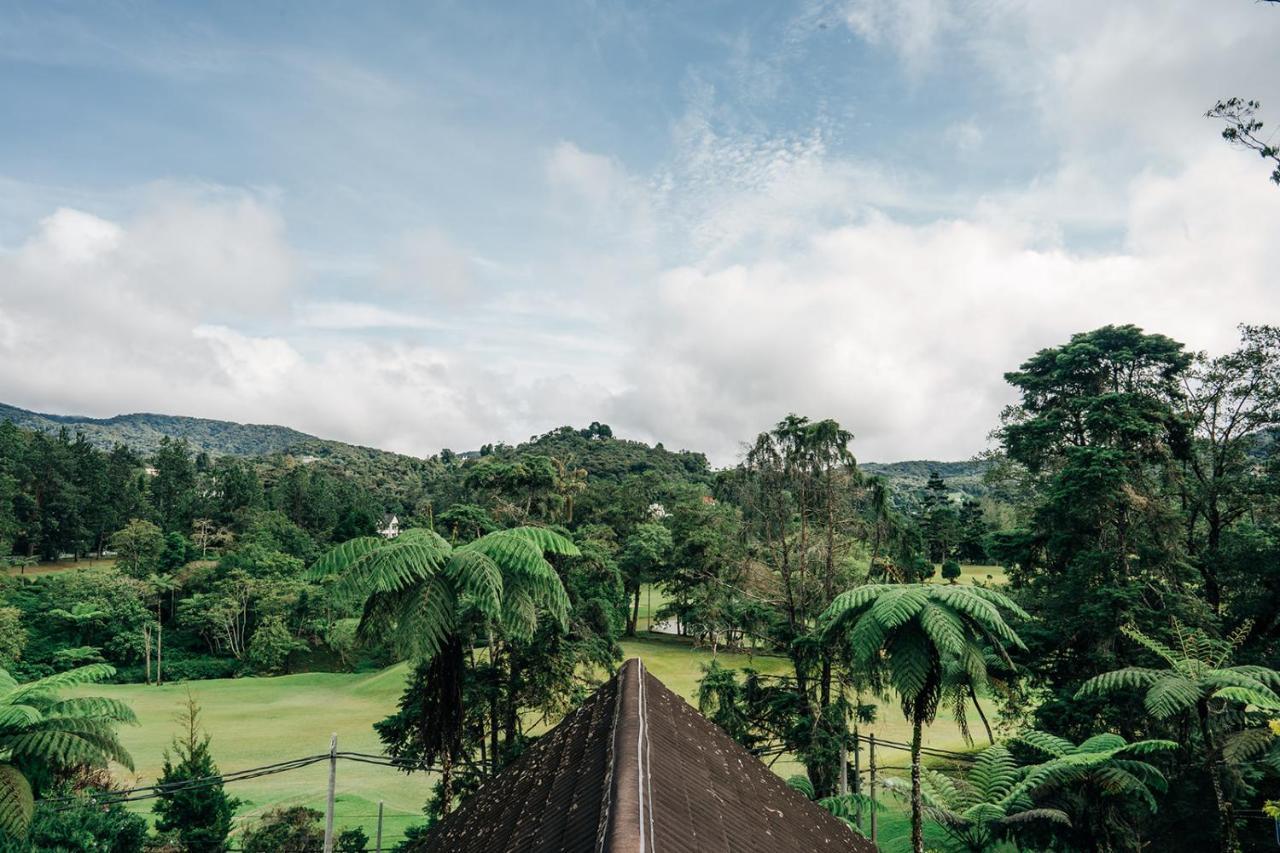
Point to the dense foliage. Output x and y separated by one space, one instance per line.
1130 654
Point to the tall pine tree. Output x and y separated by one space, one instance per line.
199 817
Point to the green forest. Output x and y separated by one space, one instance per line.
1094 602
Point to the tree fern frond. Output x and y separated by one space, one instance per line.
1105 742
16 802
895 607
430 619
19 716
1152 645
994 773
1046 743
478 578
945 629
802 784
340 557
1146 747
1248 744
1264 699
81 675
1170 696
96 707
1027 815
1119 679
1267 677
546 541
57 747
393 567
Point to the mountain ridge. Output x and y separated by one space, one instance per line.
142 432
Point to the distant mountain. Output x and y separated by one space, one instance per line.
142 432
909 477
611 459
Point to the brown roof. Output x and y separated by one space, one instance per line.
635 769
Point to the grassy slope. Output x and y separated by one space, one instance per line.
257 721
55 566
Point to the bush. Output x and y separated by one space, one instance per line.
81 825
295 829
200 668
951 570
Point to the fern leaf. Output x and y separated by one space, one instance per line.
340 557
1046 743
16 802
1120 679
546 541
801 784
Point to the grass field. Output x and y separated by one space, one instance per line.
258 721
55 566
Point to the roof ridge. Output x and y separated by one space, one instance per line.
606 801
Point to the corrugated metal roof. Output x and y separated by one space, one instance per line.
635 769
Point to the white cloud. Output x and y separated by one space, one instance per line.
337 316
746 272
910 27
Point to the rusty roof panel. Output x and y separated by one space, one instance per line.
637 770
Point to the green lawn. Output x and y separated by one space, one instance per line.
969 574
257 721
55 566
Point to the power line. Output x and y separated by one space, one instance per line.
150 792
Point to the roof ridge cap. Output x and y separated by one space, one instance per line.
622 810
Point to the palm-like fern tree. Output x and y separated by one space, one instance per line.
1197 672
848 807
42 736
980 809
903 635
1096 781
419 591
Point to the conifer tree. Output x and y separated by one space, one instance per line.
198 816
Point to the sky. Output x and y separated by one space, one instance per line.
416 226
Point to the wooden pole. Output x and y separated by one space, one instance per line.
377 845
857 777
872 758
844 769
333 781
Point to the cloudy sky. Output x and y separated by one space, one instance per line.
420 228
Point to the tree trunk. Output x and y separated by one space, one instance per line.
917 805
634 617
1228 843
446 783
973 695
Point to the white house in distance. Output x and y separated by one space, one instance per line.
389 527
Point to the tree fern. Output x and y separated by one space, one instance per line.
39 730
908 637
418 592
1197 670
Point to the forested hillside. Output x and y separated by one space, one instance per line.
966 478
1127 653
142 432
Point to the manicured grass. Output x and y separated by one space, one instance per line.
969 574
55 566
258 721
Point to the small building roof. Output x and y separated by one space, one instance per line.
635 769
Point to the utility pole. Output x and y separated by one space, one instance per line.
333 781
857 776
377 845
844 768
872 756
